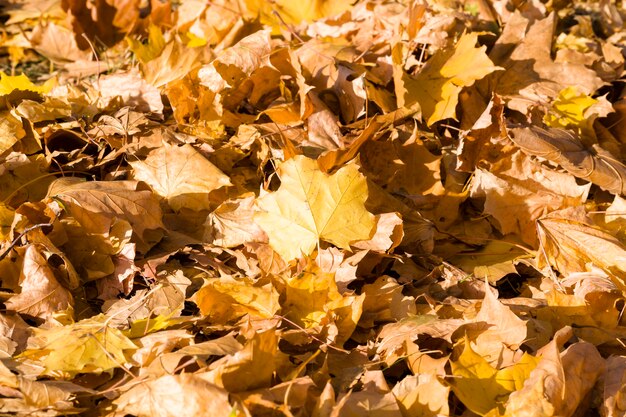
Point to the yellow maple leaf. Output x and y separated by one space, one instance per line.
86 346
436 88
146 52
180 174
568 109
10 83
312 299
225 299
480 386
311 205
280 12
6 220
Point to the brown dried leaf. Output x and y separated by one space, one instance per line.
42 295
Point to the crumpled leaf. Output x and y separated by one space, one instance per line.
531 74
375 399
517 195
232 224
42 295
249 368
96 205
312 300
311 206
11 131
560 381
566 149
572 244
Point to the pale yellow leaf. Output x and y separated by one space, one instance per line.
181 175
311 205
184 395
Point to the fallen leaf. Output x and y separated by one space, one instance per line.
311 206
42 295
96 205
481 387
180 174
174 395
83 347
437 86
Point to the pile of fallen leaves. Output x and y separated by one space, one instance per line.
312 208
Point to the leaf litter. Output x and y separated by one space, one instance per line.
319 208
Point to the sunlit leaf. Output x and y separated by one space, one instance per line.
83 347
181 175
311 206
437 86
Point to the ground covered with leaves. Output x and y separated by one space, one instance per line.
312 208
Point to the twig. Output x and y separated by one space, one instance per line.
20 236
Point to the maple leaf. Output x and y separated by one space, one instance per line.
223 300
312 300
86 346
181 175
9 84
151 49
423 394
480 386
437 86
96 205
285 11
311 205
181 395
569 108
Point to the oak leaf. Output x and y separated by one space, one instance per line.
311 206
